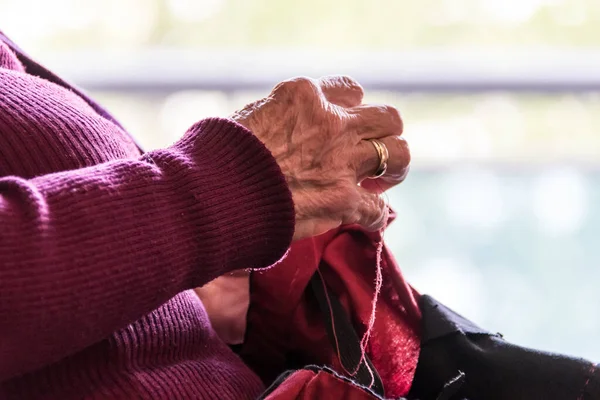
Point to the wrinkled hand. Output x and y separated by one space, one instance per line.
318 132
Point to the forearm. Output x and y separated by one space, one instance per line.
86 252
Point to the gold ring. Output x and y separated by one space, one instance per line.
383 154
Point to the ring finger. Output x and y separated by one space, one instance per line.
368 160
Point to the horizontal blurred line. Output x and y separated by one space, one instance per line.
502 166
437 71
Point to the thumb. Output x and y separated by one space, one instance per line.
372 211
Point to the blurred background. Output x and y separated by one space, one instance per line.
500 216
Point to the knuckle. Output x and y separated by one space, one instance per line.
403 149
341 90
296 88
394 115
407 154
400 151
300 83
350 82
328 80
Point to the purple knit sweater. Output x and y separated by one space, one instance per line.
99 246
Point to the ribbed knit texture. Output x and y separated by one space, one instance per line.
100 244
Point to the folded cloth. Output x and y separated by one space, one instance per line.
286 328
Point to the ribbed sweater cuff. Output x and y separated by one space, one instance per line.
241 206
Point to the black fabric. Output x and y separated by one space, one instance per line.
347 339
438 321
452 387
493 368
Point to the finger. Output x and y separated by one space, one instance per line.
371 213
341 90
384 183
375 121
367 159
314 227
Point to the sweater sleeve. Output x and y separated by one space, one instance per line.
85 252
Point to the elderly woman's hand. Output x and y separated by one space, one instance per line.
319 133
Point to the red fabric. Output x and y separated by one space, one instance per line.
284 323
310 385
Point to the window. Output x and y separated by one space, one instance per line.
500 215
